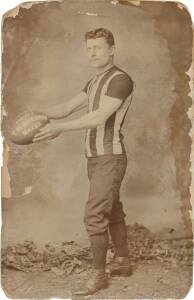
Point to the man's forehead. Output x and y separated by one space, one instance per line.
96 41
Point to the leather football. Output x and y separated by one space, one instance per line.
26 125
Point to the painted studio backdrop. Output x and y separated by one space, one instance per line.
45 185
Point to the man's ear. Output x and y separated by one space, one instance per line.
112 50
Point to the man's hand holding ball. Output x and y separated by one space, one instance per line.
32 126
48 132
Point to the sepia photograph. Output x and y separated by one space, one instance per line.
97 148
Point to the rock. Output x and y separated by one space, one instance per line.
57 271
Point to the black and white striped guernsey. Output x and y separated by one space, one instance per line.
107 138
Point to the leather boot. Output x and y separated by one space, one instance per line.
120 266
98 280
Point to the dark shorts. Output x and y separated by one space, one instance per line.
104 206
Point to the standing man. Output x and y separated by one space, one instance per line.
108 96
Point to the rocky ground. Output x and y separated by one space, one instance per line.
162 268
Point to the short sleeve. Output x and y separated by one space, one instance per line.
85 89
121 86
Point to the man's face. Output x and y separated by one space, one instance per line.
99 52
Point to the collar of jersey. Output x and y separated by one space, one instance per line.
104 72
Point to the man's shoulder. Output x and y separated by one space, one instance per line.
121 76
122 72
120 85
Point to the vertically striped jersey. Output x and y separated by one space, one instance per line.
107 138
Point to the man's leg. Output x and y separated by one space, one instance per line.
117 226
118 229
121 263
118 232
97 211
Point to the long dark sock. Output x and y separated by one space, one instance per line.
118 232
99 245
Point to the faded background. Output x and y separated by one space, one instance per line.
45 62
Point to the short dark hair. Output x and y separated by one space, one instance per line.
101 32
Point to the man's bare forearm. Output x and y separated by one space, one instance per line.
61 111
90 120
65 109
57 112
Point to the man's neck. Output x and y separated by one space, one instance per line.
104 69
